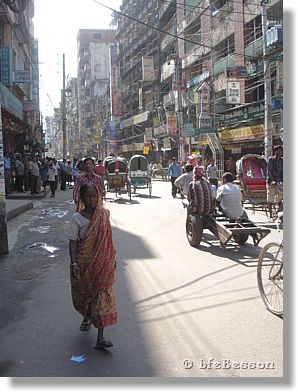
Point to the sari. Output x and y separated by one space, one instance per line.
92 294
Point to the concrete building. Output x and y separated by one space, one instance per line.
211 52
93 80
19 79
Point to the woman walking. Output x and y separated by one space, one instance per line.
93 264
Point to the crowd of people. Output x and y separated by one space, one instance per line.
32 173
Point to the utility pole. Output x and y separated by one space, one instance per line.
64 112
3 227
267 83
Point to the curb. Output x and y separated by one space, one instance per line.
18 211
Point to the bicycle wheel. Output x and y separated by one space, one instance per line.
270 277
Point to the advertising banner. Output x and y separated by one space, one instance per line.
114 81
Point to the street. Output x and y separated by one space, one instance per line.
183 312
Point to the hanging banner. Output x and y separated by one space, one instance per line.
114 81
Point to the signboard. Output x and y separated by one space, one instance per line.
245 133
114 81
187 130
172 122
148 134
22 76
148 68
239 71
233 92
6 71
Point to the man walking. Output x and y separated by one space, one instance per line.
275 179
174 171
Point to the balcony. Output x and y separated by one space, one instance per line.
254 49
167 10
221 65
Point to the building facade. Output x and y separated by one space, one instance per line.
93 80
19 80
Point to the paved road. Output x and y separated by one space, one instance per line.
181 309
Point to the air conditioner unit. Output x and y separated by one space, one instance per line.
274 35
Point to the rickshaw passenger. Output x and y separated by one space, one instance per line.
229 197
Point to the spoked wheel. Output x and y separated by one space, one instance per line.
270 277
194 229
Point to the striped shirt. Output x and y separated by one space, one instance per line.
86 178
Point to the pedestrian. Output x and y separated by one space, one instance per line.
51 179
99 168
231 166
229 197
7 177
274 180
44 174
212 173
174 171
183 181
69 173
93 264
75 171
87 176
56 168
20 171
34 176
63 174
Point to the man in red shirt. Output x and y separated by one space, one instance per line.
99 168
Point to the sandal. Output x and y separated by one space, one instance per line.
102 343
85 326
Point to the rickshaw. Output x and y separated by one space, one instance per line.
138 173
116 176
202 214
251 172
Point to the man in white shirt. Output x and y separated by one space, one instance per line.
183 181
229 197
212 173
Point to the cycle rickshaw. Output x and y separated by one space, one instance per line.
116 176
138 173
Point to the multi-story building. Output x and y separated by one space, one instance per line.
93 80
211 52
228 61
72 114
19 79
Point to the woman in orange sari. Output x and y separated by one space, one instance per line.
93 264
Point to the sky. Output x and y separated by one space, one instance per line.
56 25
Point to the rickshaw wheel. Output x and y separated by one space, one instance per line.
194 229
240 238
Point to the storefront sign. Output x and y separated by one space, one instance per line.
139 118
233 92
246 112
6 71
187 130
247 133
22 77
148 134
